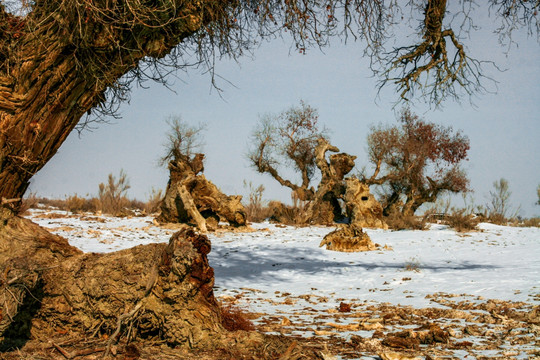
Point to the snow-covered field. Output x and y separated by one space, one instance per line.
295 287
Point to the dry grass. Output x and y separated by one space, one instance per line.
397 221
413 264
235 318
461 220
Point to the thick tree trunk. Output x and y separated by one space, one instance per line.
161 291
56 64
129 303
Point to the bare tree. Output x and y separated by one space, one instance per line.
499 208
183 140
63 60
288 140
416 162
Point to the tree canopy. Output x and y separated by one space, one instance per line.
60 60
415 162
288 139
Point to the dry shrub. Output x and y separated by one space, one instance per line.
258 214
77 204
112 195
52 203
532 222
255 209
497 218
287 214
397 221
344 307
461 220
413 264
154 200
235 318
27 203
73 203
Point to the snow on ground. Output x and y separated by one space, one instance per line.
281 272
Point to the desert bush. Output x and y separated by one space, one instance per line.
51 203
531 222
396 220
413 264
234 319
255 209
77 204
499 209
295 214
73 203
154 200
461 220
112 195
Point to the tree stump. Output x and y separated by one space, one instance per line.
161 291
362 208
192 199
348 238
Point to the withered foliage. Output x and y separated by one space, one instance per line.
415 162
235 318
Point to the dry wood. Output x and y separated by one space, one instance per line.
191 198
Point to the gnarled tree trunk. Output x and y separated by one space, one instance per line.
146 295
192 199
51 73
161 291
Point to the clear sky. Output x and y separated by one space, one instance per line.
504 128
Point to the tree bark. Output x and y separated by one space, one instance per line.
191 198
56 65
191 208
160 291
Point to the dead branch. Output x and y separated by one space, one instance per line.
431 67
191 208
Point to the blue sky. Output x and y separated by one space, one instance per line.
504 128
